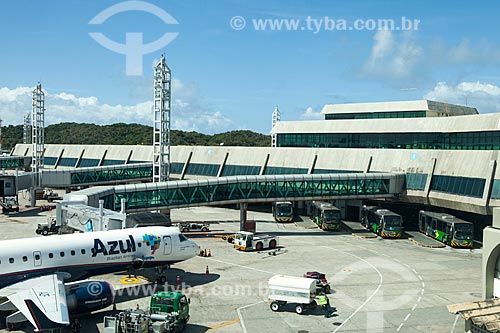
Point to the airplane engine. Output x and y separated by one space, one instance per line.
87 296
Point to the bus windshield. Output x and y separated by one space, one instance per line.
332 215
463 231
284 209
392 220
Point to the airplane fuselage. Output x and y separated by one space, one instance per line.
84 255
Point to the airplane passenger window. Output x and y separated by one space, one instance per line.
73 252
37 257
11 260
51 255
139 244
25 258
83 251
61 254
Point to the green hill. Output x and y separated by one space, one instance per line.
131 134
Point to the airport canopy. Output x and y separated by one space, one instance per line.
484 314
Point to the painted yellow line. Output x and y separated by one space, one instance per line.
131 280
364 236
224 324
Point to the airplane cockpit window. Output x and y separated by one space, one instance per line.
182 238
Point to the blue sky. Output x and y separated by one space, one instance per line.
227 79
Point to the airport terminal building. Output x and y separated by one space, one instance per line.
448 153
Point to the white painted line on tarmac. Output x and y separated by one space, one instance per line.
399 327
454 324
419 299
414 271
242 266
414 307
407 316
420 277
238 310
423 284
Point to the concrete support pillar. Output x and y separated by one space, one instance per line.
243 216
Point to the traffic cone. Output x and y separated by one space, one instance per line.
209 253
206 271
178 280
205 253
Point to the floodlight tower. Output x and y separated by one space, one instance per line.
276 118
1 121
37 138
161 123
27 128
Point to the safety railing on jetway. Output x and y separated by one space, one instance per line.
238 189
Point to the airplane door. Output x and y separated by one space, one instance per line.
37 258
167 245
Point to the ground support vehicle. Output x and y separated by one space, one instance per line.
9 206
168 313
50 196
185 227
48 228
283 211
322 284
248 241
383 222
446 228
290 289
326 216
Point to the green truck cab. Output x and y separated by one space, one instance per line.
171 307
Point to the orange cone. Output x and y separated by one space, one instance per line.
206 271
209 253
205 253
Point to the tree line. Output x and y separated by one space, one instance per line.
131 134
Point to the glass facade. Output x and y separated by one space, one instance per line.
469 187
495 191
176 167
67 162
284 171
49 160
240 170
199 169
265 190
376 115
11 162
112 162
88 162
416 181
326 171
486 140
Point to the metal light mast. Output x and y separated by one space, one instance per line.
27 128
37 137
161 124
276 118
1 121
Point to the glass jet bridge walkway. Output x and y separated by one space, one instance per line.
243 189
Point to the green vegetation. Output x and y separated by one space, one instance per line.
131 134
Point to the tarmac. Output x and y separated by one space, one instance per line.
378 285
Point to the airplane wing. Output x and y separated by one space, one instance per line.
42 300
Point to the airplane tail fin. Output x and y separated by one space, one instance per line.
41 320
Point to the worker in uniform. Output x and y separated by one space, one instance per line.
323 301
76 326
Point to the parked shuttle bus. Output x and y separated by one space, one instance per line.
326 216
283 211
446 228
383 222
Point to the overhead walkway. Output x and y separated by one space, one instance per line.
243 189
97 175
14 162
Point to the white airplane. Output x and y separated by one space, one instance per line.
37 275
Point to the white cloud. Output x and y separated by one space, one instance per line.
189 112
392 56
483 96
310 114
